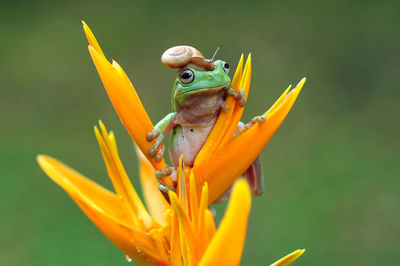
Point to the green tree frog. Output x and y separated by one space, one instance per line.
198 96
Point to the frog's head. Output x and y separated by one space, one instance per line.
196 75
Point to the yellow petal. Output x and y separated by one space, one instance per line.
238 111
155 201
279 101
91 39
188 243
120 180
182 187
194 203
104 209
222 122
176 257
226 246
210 225
202 231
289 259
125 100
232 160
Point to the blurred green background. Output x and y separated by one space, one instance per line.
331 171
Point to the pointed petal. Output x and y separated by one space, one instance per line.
155 201
121 182
182 187
176 257
243 149
124 99
238 111
279 101
222 122
202 237
91 39
104 209
289 259
211 229
230 236
188 243
194 203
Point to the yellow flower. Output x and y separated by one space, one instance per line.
180 233
221 147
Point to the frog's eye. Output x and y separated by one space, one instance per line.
186 76
225 66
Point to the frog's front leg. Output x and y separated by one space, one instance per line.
238 95
160 130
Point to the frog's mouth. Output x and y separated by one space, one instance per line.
208 90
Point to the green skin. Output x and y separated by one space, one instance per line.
204 81
195 108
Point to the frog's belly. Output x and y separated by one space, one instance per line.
188 142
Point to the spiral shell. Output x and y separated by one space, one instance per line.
180 56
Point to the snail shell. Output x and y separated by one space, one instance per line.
180 56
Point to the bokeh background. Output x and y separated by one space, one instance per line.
331 171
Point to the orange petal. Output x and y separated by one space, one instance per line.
238 111
104 209
124 99
202 231
120 180
226 246
194 203
289 259
210 225
176 257
188 243
91 39
182 187
155 201
233 159
222 122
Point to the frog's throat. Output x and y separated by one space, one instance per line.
207 90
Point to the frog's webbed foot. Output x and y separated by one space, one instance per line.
162 173
164 188
258 119
156 133
243 127
225 107
238 95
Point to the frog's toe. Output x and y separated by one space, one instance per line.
260 119
156 145
160 153
225 107
153 134
232 92
163 172
241 98
152 152
165 188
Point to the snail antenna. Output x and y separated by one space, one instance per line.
215 53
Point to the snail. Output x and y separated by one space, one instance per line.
180 56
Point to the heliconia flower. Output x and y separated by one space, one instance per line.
221 147
181 232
